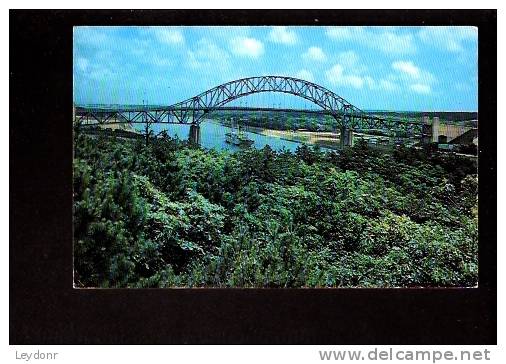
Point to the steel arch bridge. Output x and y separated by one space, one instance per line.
192 110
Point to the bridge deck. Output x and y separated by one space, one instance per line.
157 114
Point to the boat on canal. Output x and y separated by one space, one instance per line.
237 137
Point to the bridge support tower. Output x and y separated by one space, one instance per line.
346 137
435 129
194 136
427 130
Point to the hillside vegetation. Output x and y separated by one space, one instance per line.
173 215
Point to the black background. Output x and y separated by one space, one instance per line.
45 309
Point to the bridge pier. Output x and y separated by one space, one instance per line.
194 137
346 137
427 130
430 130
435 129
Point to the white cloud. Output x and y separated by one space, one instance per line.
383 84
305 75
336 71
248 47
338 77
314 54
281 34
413 77
207 55
354 81
350 71
407 67
389 40
168 35
101 68
450 38
420 88
82 64
350 59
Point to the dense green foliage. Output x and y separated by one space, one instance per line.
171 214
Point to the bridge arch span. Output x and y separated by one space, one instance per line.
193 109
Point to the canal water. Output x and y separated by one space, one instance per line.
212 136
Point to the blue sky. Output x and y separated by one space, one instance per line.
387 68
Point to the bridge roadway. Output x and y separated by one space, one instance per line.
192 111
151 108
